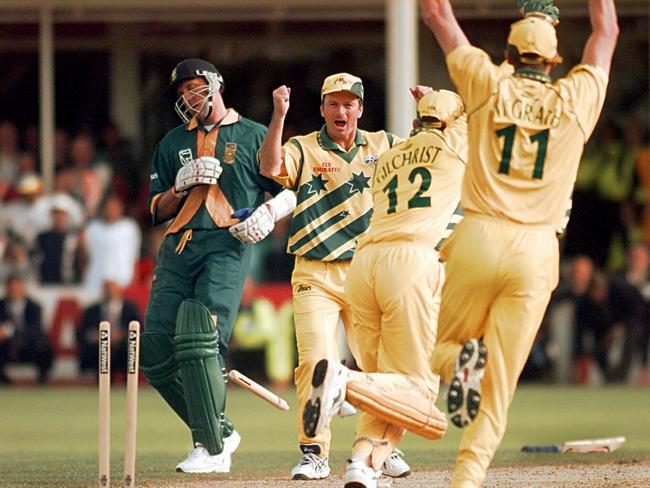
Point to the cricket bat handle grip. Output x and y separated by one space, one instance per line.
540 449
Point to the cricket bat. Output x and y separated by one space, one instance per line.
245 382
588 445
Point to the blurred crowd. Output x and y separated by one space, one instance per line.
92 232
597 326
89 235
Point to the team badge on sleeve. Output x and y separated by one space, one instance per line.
370 160
230 152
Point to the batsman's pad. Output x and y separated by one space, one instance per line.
407 409
202 171
158 364
197 355
227 427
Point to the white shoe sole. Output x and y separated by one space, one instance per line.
464 395
230 444
216 469
361 481
328 393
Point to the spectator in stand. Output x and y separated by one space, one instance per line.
117 310
61 149
14 257
92 176
24 217
31 140
634 283
22 338
116 151
9 153
64 182
580 273
607 312
57 252
112 245
27 164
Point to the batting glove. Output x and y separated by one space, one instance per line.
201 171
255 227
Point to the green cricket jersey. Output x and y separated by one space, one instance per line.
238 141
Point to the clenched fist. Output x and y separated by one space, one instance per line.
281 100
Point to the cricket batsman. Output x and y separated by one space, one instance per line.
201 171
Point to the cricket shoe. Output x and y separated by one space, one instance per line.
464 395
359 475
311 467
395 466
328 383
200 461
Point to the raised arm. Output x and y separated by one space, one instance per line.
439 18
271 150
600 46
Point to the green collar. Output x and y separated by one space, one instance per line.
329 145
424 129
532 75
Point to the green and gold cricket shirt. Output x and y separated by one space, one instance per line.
237 142
334 200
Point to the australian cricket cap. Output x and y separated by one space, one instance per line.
444 105
534 37
342 82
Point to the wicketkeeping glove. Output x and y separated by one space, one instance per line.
202 171
546 7
255 225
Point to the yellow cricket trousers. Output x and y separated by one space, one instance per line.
500 276
394 290
318 303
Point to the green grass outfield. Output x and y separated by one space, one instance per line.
48 436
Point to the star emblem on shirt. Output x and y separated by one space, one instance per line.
316 185
358 182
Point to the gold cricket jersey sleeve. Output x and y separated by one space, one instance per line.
416 190
292 163
474 74
526 135
334 201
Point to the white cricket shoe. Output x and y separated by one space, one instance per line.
328 383
359 475
200 460
395 466
464 395
311 467
347 409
